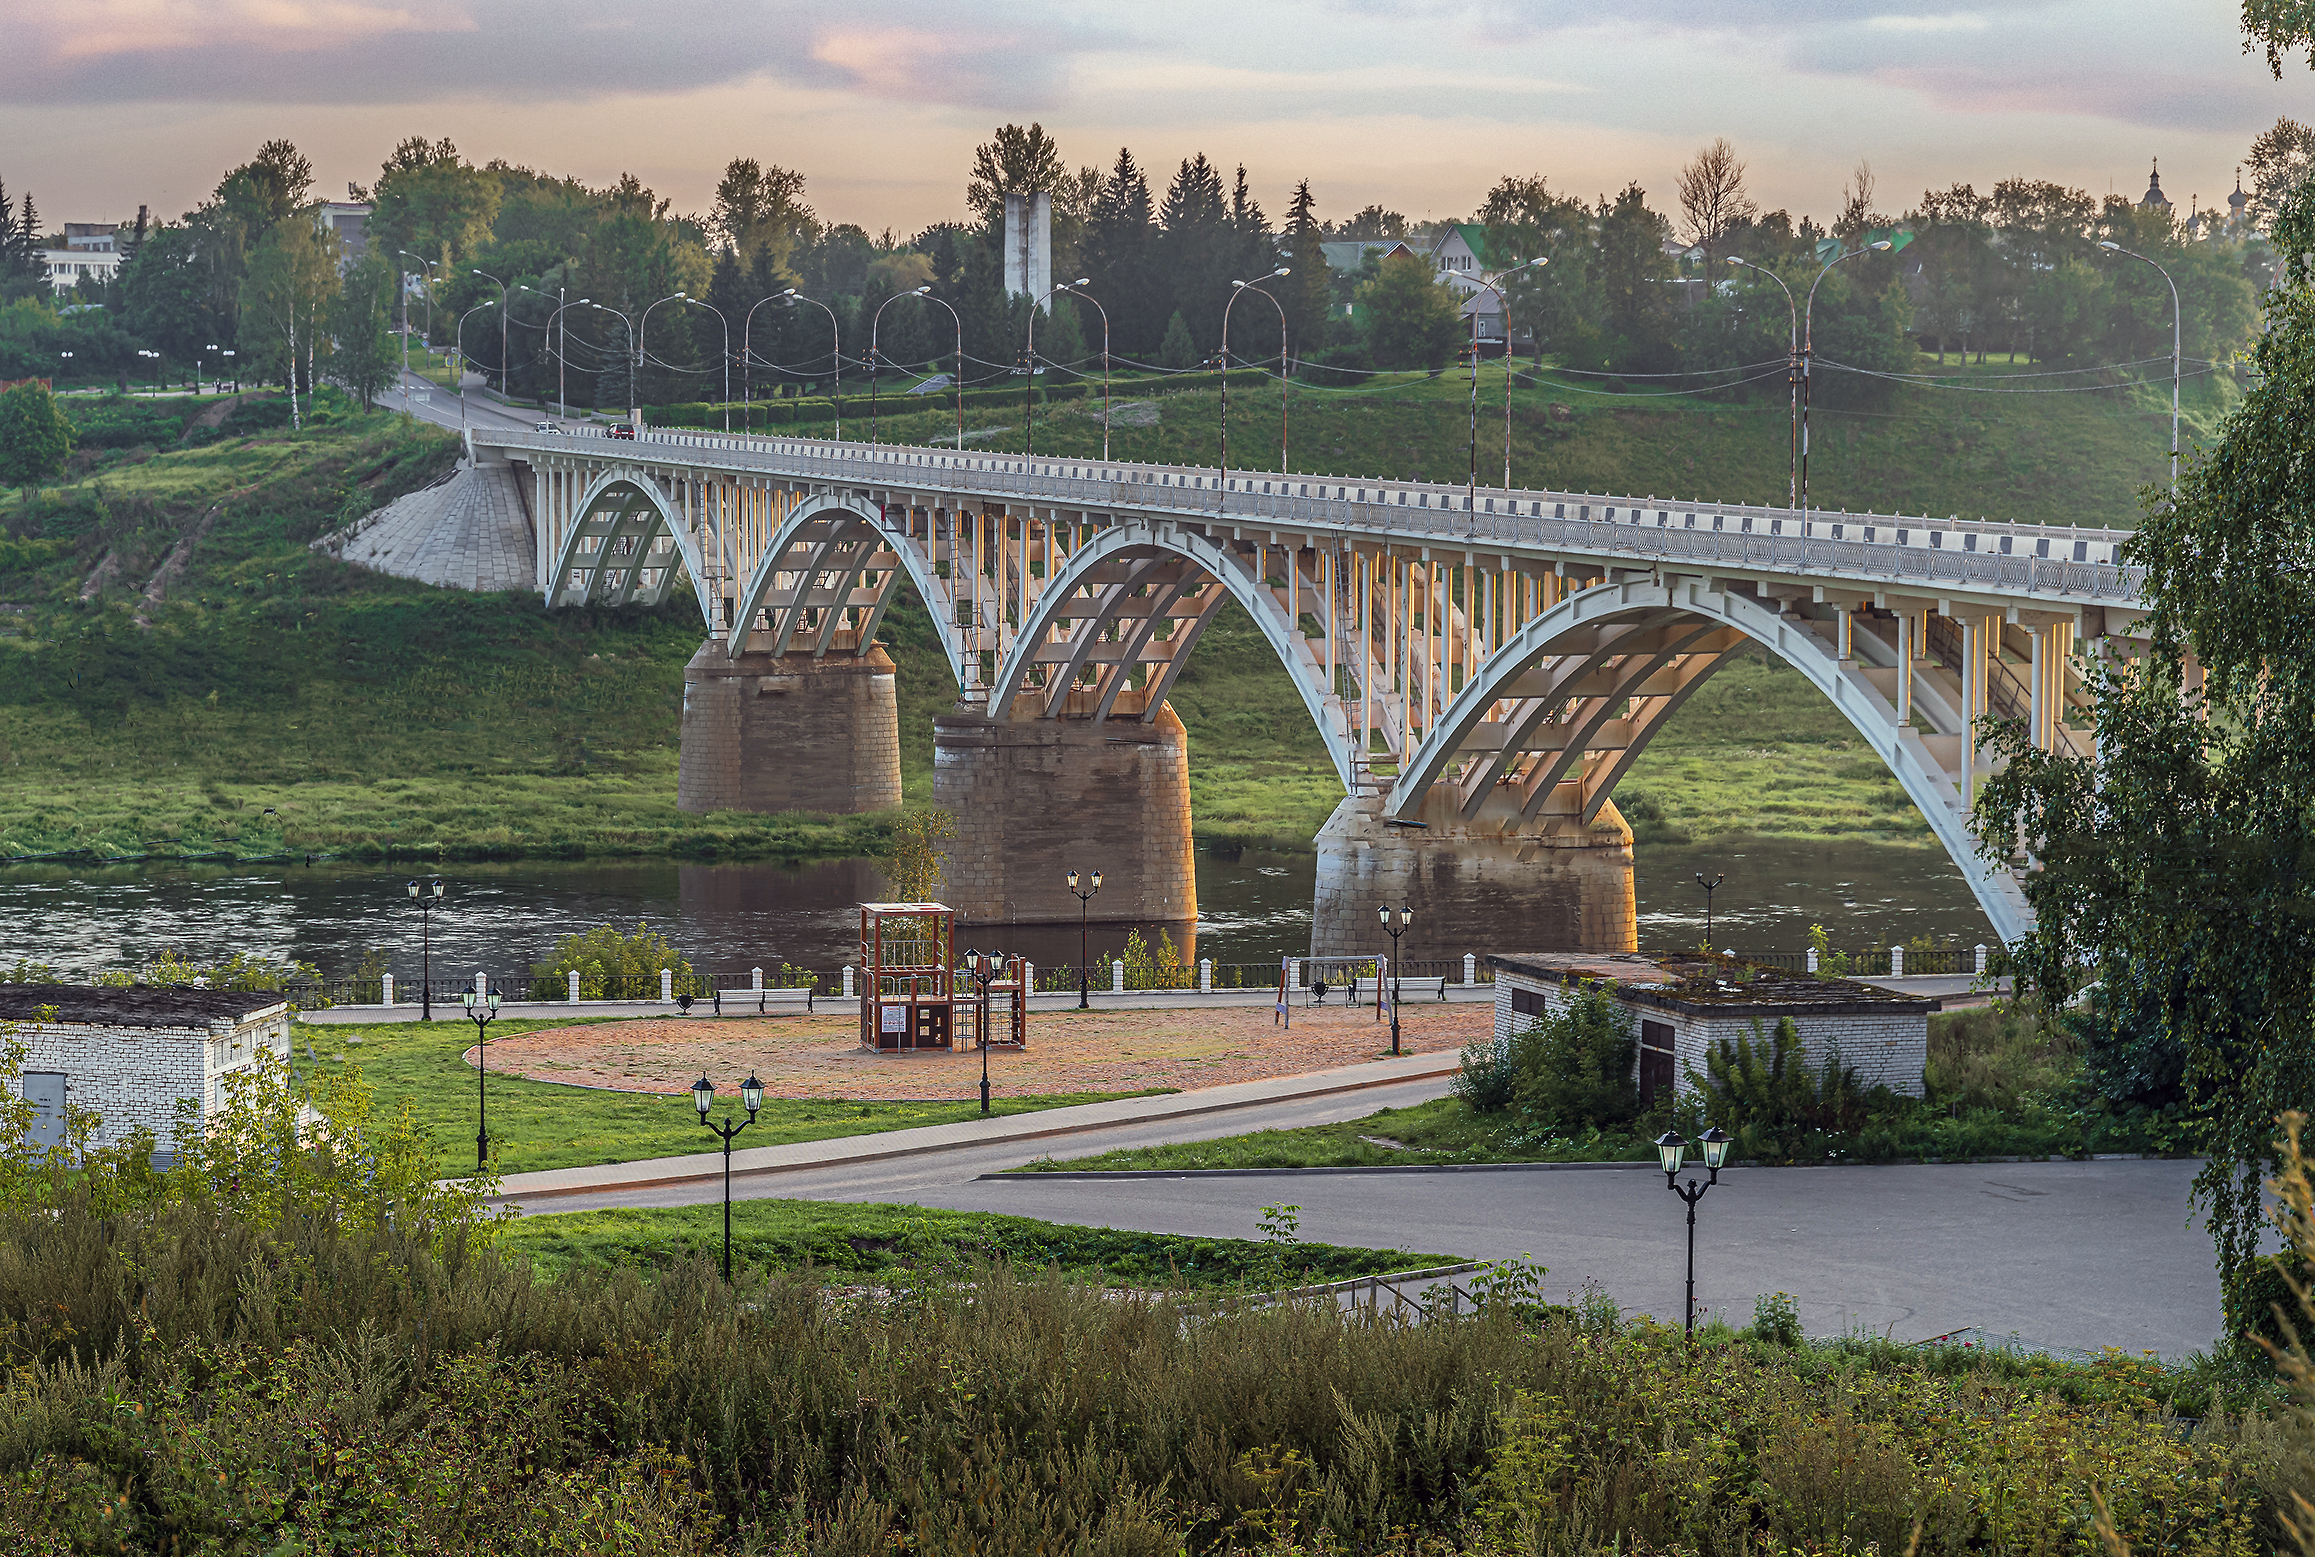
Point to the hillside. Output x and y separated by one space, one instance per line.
380 716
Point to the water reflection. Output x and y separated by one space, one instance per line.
729 918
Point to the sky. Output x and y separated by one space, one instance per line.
1419 105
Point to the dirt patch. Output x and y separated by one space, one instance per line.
214 415
1069 1051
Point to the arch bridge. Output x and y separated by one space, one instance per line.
1484 657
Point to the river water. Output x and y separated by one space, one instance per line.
1255 907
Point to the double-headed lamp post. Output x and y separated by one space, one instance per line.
1672 1153
1076 289
482 1010
428 898
2176 337
1709 887
982 968
1084 921
1406 918
751 1098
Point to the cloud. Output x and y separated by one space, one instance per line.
418 51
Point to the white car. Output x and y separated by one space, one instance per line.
547 427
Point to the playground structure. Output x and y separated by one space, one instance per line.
909 988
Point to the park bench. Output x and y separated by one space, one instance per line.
1431 987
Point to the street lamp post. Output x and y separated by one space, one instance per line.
1808 358
748 361
1030 413
1406 918
428 898
982 968
230 352
461 336
1073 289
1084 913
726 323
1671 1152
836 354
751 1098
957 379
2176 361
875 328
156 356
505 376
1792 374
1709 887
1502 303
482 1010
430 266
554 322
1236 289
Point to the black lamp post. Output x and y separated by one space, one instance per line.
427 898
1672 1151
1709 887
1406 918
751 1098
1084 910
982 968
482 1010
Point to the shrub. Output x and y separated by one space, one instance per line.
1578 1069
613 966
1487 1080
1994 1056
1762 1091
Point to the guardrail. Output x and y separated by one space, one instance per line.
1747 536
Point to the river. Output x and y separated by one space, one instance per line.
1255 907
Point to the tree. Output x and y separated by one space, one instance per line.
1712 198
1199 248
1013 162
35 439
1559 302
760 211
1413 320
2181 866
1371 224
1629 267
362 353
1308 292
1179 350
432 202
21 272
290 282
1120 259
2280 160
2279 27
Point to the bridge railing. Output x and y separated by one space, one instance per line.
1892 547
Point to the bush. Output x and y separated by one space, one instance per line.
1578 1069
1487 1080
613 966
1763 1092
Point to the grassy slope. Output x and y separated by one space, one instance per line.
890 1242
379 715
537 1124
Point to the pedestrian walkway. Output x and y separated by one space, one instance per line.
802 1155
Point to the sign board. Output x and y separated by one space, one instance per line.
422 397
895 1019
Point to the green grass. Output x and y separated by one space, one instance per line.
540 1124
381 718
887 1242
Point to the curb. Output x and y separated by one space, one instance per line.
1016 1174
920 1149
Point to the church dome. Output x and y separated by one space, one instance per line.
2154 195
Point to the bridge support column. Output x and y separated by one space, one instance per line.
789 732
1035 799
1480 886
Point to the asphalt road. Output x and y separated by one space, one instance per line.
2062 1254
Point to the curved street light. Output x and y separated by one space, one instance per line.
554 321
429 264
1029 415
956 380
2176 335
726 323
505 377
1792 374
488 302
748 362
1238 288
835 352
1808 357
1074 290
1471 502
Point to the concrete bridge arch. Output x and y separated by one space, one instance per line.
626 545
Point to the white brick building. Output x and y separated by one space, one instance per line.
128 1055
1680 1010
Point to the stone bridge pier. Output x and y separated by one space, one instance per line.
789 732
1035 798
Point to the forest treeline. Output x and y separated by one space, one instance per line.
610 297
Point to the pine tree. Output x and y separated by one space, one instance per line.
1308 291
1199 248
1120 260
1180 350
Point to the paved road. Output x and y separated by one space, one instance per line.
2080 1255
441 408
